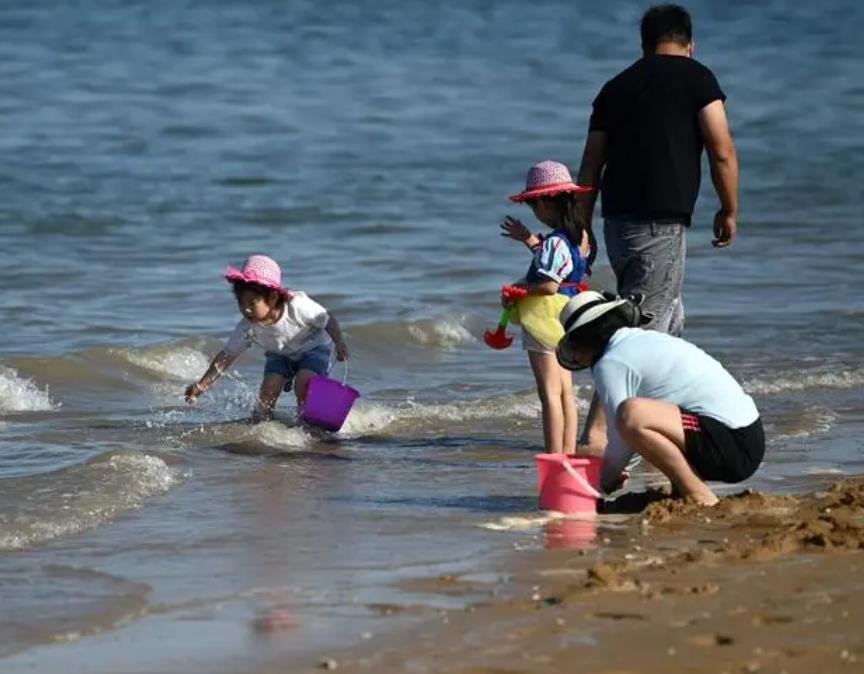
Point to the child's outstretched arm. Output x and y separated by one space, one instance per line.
221 362
332 328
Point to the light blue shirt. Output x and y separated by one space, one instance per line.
641 363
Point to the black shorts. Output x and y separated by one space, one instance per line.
717 452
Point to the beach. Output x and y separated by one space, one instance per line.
370 150
757 584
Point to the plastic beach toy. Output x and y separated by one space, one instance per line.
499 339
539 315
328 402
568 484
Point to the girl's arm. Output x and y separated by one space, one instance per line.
221 362
549 287
512 228
332 328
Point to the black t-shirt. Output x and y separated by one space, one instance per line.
653 143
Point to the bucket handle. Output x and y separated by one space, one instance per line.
344 372
581 480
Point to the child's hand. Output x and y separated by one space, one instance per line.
511 294
192 393
512 228
342 351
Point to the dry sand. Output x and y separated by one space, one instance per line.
758 583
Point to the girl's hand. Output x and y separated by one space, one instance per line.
342 351
511 294
512 228
192 393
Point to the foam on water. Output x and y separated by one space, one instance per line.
284 438
804 381
368 416
179 363
525 523
37 509
18 394
803 423
445 334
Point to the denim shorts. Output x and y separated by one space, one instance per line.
317 360
648 257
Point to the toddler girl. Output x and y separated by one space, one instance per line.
297 334
561 261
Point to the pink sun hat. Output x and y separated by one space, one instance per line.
547 179
261 270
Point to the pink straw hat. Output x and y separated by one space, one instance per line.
260 270
547 179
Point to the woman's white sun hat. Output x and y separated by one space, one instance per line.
586 307
581 310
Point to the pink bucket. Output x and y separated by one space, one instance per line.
570 533
568 484
328 402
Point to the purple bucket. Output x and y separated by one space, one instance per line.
328 402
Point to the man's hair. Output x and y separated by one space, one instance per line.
665 23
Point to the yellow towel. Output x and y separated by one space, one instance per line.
538 314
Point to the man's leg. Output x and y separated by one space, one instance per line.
654 429
648 258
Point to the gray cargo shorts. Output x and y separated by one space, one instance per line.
648 257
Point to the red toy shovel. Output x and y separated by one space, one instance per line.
498 339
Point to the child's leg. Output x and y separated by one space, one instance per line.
653 428
271 389
310 364
548 377
571 414
301 384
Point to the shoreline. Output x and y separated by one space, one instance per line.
759 583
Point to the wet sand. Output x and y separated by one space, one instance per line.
759 583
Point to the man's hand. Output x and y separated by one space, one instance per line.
725 229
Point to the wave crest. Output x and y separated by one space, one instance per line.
19 394
804 381
39 508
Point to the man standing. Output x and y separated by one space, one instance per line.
646 135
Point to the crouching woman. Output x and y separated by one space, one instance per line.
663 398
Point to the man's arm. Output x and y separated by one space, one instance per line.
590 170
723 160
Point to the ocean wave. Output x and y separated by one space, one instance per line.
18 394
371 416
179 363
444 333
804 381
39 508
281 437
803 423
